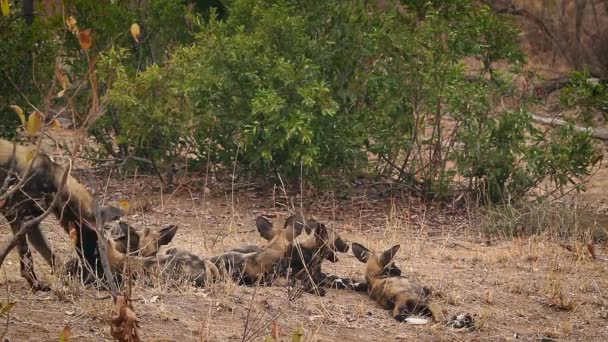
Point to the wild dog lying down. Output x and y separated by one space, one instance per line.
174 264
404 296
305 256
42 182
245 268
124 240
255 265
178 264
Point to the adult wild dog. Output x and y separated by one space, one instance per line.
306 254
177 264
174 264
42 181
252 265
124 240
405 297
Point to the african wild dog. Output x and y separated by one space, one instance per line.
42 182
400 294
253 265
173 264
177 264
305 256
124 240
245 268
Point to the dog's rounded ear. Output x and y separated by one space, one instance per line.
361 253
296 225
341 245
166 234
388 255
331 256
264 227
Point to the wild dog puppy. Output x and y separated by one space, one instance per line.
400 294
43 180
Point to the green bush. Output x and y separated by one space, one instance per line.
589 96
316 86
27 57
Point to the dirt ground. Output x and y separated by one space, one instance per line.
522 289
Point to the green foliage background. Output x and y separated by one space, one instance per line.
321 88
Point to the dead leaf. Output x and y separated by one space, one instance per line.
591 249
63 80
61 93
6 11
71 22
34 122
135 31
65 334
73 235
19 112
55 124
85 39
5 309
124 205
298 334
124 323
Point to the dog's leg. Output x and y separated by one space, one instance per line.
26 263
37 239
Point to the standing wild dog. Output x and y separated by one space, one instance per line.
405 297
42 182
305 256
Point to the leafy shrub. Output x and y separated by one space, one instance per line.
27 57
315 86
589 96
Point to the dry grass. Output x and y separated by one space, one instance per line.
516 284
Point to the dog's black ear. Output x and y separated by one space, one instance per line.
166 234
331 256
110 213
341 245
361 253
265 228
388 255
295 225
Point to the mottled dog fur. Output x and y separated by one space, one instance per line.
306 254
403 296
74 208
125 241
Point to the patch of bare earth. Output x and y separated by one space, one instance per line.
521 289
